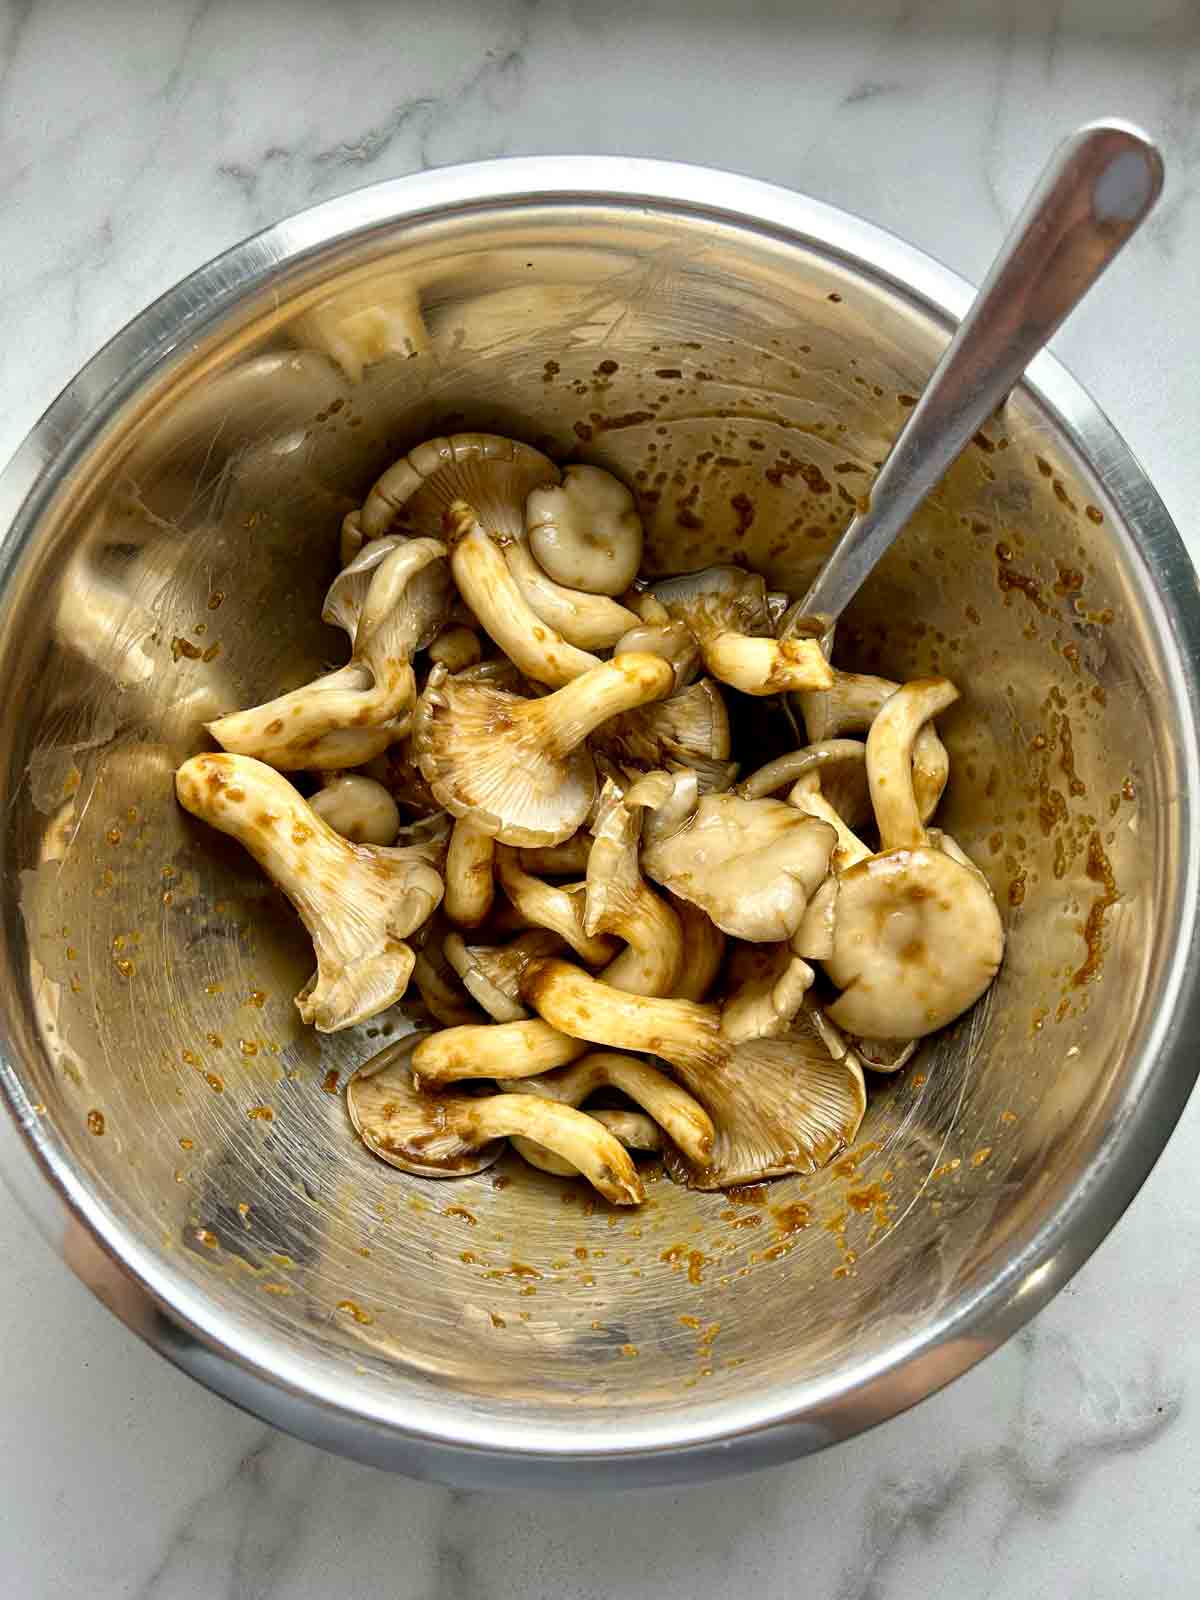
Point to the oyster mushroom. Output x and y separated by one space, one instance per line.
618 900
437 982
494 477
673 641
456 648
770 986
358 902
534 647
750 864
492 976
851 704
470 884
498 1050
391 601
547 905
916 934
585 532
671 798
777 1105
691 725
566 860
634 1129
449 1135
358 808
520 769
621 902
682 1118
726 609
703 950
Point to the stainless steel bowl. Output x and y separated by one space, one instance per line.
744 356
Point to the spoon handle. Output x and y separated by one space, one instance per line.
1098 187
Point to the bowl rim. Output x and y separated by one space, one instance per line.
226 1351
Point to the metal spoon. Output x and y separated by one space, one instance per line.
1098 188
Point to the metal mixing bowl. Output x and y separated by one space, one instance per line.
743 356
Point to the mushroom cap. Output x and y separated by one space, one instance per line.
347 594
779 1105
917 939
408 1128
483 760
358 808
586 532
750 864
717 599
770 986
692 723
493 475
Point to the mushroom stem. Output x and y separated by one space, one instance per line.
489 588
566 860
499 1050
703 950
766 666
851 705
358 902
806 796
570 1134
546 905
579 1005
619 901
470 887
565 719
683 1118
447 1135
889 759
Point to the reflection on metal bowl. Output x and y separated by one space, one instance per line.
742 358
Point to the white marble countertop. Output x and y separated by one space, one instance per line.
137 141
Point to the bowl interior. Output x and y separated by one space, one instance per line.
747 386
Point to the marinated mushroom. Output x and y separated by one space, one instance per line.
547 905
521 769
851 704
470 884
492 975
777 1105
770 986
681 1117
703 950
673 641
535 647
917 937
494 477
621 902
566 860
358 808
448 1135
456 648
585 532
391 601
750 864
689 726
726 609
358 902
